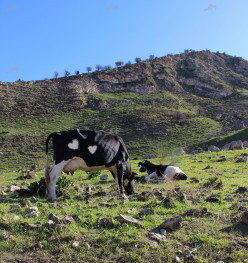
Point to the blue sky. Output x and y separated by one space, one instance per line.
39 37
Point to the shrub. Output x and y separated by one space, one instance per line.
39 188
77 72
137 60
88 69
98 67
67 73
119 63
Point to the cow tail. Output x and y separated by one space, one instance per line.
47 166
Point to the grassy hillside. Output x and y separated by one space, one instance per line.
210 230
156 105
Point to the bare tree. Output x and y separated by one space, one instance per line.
119 63
88 69
67 73
77 72
137 60
56 74
98 67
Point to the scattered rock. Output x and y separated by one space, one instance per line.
39 244
31 174
172 223
16 217
212 199
156 236
107 222
50 222
128 219
167 202
207 167
147 211
162 231
68 219
34 213
104 177
14 208
242 160
35 225
213 148
75 244
244 218
236 145
54 218
33 167
145 196
222 159
88 188
13 188
87 246
229 198
34 208
242 189
181 196
60 226
26 203
194 180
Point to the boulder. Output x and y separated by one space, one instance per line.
13 188
147 211
107 222
172 223
226 147
242 159
236 145
213 148
245 144
244 218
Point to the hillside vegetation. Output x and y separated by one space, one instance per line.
156 105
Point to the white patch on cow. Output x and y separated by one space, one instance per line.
74 145
126 181
92 149
170 171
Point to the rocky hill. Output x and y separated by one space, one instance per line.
154 105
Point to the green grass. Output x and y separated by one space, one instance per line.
211 237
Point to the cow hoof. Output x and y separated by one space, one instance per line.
123 196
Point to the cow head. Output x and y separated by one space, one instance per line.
180 176
128 183
144 166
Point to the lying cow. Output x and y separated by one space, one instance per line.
88 150
166 172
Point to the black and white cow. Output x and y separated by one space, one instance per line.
88 150
166 171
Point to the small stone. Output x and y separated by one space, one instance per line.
54 218
39 244
14 208
162 231
75 244
147 211
229 198
107 222
50 222
213 148
242 189
207 167
26 203
16 217
172 223
31 175
104 177
244 218
128 219
34 208
212 199
156 236
87 246
242 160
60 226
68 219
34 213
13 188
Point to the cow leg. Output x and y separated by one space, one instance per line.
51 179
120 172
150 176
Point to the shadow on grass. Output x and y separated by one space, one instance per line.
238 227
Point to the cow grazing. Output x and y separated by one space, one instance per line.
167 171
88 150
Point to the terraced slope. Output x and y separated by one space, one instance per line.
156 106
